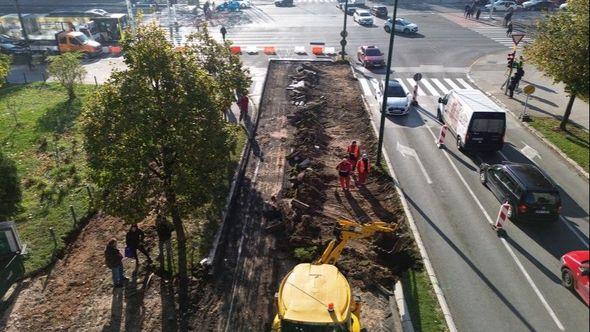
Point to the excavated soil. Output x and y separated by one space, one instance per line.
302 136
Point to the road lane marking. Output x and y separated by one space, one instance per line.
429 87
407 151
452 84
441 86
504 242
465 84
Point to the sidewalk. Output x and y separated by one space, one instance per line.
549 99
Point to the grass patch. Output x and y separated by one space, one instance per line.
39 131
422 303
574 142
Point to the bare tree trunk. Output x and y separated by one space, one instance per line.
568 111
182 270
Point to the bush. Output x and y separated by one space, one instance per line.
10 193
306 254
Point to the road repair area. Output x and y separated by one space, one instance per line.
290 198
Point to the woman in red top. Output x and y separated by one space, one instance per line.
363 167
344 169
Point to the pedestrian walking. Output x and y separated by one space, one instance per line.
363 167
134 241
243 102
512 86
509 29
114 261
477 13
466 10
344 169
353 154
223 32
507 17
164 230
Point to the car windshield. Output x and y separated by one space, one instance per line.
395 90
82 39
543 198
402 21
372 52
364 14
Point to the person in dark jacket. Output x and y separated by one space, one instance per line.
114 261
164 230
134 241
477 13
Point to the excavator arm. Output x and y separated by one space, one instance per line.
351 230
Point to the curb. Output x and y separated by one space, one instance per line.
403 308
403 312
581 172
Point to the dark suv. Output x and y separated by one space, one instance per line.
379 11
530 193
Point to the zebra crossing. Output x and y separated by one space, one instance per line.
428 86
497 34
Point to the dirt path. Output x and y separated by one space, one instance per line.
77 295
241 295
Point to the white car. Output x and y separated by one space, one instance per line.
363 17
502 5
530 3
244 3
399 99
401 25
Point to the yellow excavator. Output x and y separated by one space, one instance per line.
316 297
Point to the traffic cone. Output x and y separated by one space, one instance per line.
441 137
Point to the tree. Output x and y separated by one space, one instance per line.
560 49
10 193
4 68
155 136
68 71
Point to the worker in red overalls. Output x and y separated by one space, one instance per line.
243 105
362 167
344 170
353 153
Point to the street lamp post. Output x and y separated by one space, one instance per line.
343 34
386 85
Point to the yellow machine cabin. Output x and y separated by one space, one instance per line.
316 297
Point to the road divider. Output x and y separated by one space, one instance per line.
502 216
270 50
441 137
235 49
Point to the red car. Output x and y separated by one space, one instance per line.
370 56
574 272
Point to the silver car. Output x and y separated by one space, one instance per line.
398 98
401 25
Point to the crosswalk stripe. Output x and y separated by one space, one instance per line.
452 84
412 84
439 84
465 84
401 82
429 87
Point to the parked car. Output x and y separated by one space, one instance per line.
284 3
503 5
401 25
379 11
477 123
531 194
363 17
9 45
574 272
370 56
539 5
230 6
398 98
244 3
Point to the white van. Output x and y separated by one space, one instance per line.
477 123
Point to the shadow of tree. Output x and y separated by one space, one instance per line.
61 117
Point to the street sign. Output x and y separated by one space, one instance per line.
417 77
517 37
529 89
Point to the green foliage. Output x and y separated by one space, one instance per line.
422 303
68 71
10 192
4 67
306 254
560 48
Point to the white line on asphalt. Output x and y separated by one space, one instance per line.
504 242
465 84
402 84
441 86
571 228
405 151
452 84
365 87
429 87
235 283
412 85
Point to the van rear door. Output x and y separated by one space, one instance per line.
486 131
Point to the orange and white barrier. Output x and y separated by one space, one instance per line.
251 49
235 49
317 50
415 95
502 216
441 137
330 51
270 50
300 50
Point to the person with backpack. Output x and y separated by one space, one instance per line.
114 261
134 241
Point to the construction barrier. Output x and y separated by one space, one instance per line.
441 137
270 50
251 50
330 51
106 49
116 50
235 49
317 50
502 216
415 95
300 50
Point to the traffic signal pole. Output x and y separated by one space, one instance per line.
343 34
386 85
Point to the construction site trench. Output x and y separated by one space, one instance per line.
289 201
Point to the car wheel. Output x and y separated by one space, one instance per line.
459 143
567 278
387 29
407 31
483 178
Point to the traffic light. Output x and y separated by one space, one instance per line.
510 59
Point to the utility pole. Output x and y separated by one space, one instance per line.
386 85
343 34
